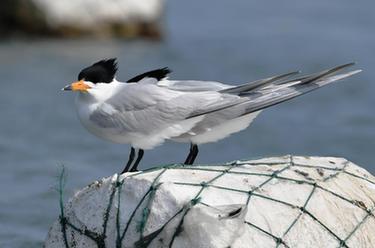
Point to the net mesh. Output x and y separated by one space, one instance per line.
140 214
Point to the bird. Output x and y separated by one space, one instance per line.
150 108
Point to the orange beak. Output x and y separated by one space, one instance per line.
77 86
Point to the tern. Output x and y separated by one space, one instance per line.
148 109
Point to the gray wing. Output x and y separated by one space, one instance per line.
148 108
269 95
258 83
194 86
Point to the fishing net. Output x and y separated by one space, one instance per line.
285 201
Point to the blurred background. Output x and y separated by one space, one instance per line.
227 41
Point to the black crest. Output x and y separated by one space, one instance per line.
102 71
157 74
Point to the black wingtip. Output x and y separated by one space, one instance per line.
343 66
312 77
326 73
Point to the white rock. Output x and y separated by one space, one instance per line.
87 13
272 202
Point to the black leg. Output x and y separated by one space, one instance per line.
139 157
192 154
188 158
130 160
195 153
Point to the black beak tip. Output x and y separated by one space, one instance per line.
67 88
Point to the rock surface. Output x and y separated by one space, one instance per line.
72 18
285 201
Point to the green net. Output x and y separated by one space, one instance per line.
141 212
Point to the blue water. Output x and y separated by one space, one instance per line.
214 40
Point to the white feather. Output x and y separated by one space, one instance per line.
218 132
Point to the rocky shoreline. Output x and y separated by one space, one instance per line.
75 19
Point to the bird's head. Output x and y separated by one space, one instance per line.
101 72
